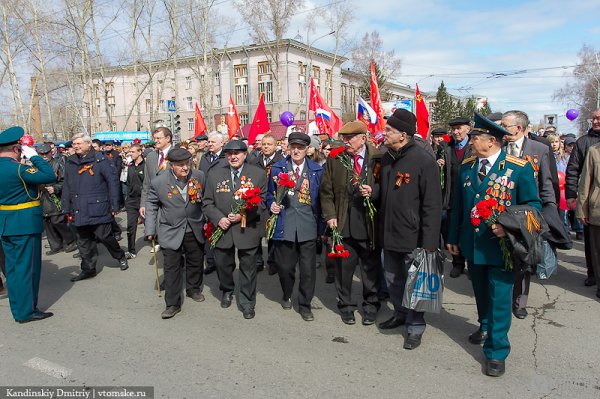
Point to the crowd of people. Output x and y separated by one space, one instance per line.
367 205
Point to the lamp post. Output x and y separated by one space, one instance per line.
307 73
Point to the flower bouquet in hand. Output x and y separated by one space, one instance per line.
284 184
340 154
487 211
246 199
337 248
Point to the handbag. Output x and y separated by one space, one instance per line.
425 282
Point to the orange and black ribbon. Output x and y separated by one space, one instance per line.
87 168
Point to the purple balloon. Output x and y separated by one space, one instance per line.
287 118
572 114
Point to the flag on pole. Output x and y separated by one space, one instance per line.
199 125
260 123
233 122
365 113
422 115
379 125
327 121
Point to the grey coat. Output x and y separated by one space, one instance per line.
168 213
151 171
218 202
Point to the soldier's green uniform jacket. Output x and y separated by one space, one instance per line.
510 177
20 210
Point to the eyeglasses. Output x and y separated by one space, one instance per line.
507 126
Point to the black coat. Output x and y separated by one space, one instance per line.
90 189
49 207
576 161
455 163
410 200
206 165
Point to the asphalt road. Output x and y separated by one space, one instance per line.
108 331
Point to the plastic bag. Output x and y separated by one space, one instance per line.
425 282
549 264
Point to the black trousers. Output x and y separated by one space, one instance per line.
287 254
88 249
133 214
188 259
370 267
225 263
209 254
260 256
116 229
57 231
521 289
587 247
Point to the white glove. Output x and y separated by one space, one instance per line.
28 151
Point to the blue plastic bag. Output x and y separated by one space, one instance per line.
425 282
549 264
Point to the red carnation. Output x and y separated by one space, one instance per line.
475 221
208 229
332 255
334 153
446 138
27 140
339 247
345 254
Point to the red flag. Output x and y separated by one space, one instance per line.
199 125
422 115
260 123
376 103
327 121
233 122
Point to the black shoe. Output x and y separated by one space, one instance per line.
478 337
249 314
579 236
209 270
456 271
77 255
83 276
226 300
37 316
494 368
392 322
330 279
589 281
286 303
598 293
71 247
307 315
169 312
520 313
123 263
260 268
369 319
412 341
53 251
197 296
118 237
272 270
348 317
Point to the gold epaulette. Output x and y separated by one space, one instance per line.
467 160
517 161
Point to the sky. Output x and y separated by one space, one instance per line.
467 43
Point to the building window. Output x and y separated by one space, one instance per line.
189 103
111 110
303 115
148 105
162 105
302 80
328 87
218 78
188 82
113 127
317 76
240 74
218 98
344 97
243 118
190 124
265 81
269 116
352 95
266 88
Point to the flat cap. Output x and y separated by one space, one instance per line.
495 116
354 127
299 138
11 135
202 137
44 148
439 131
570 140
235 145
461 120
485 126
178 154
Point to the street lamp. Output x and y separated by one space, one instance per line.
309 67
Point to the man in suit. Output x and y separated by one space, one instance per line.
519 145
21 224
298 225
343 204
156 162
265 160
489 174
135 182
458 150
223 185
174 209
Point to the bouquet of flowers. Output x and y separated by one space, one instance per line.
285 183
341 154
337 248
246 199
488 211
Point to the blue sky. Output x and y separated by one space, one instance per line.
448 38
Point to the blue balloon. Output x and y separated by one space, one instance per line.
572 114
286 118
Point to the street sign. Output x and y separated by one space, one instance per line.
171 106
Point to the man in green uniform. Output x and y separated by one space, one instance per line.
21 223
491 173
